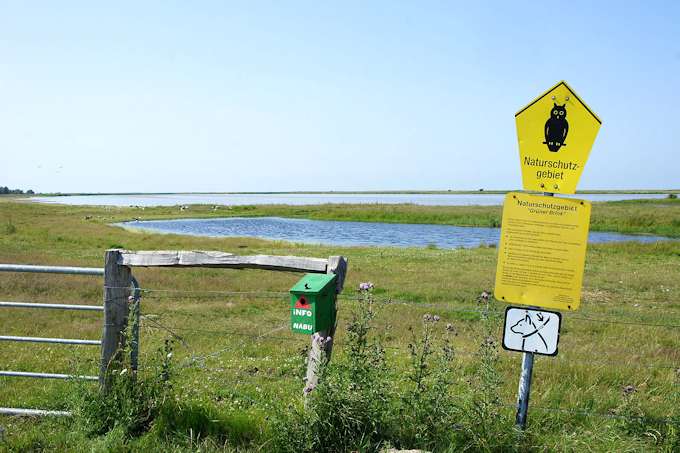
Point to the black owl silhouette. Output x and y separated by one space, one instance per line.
556 128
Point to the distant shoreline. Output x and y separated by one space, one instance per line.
359 192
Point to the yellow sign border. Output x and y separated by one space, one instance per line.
542 170
561 82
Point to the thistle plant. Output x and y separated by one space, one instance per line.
485 426
428 411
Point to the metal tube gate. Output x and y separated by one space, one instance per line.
30 305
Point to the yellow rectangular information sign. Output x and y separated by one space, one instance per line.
542 251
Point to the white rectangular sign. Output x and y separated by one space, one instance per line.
529 330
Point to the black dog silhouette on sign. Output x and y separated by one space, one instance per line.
556 128
531 331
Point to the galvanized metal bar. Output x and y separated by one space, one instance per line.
51 269
52 306
524 389
50 340
32 412
28 374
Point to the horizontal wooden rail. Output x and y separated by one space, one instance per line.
221 260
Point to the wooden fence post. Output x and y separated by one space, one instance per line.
117 280
322 341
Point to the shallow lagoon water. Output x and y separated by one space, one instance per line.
330 232
298 199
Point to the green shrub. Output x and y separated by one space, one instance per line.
362 403
9 227
427 412
346 411
486 425
130 402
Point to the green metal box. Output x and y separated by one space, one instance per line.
312 303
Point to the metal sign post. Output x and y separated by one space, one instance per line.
524 389
532 332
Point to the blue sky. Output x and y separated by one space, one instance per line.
255 96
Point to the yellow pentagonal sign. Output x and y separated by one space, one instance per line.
555 133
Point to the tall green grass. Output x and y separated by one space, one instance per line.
238 366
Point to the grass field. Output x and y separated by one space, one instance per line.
626 333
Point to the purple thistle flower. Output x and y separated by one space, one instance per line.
366 286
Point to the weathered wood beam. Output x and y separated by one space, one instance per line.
117 280
221 259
